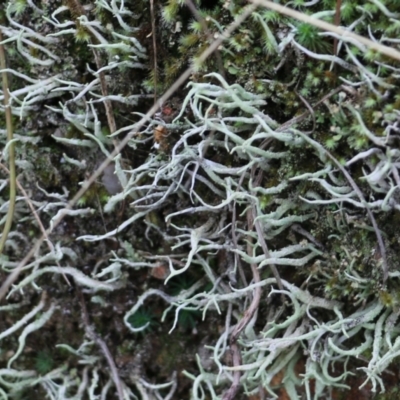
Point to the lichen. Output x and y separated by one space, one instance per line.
248 231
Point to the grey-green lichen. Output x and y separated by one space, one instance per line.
238 141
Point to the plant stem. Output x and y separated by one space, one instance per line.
11 148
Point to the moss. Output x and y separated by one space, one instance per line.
308 36
392 394
172 352
143 317
44 362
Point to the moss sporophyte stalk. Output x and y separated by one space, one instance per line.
243 243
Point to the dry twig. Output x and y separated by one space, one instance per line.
103 346
248 315
11 148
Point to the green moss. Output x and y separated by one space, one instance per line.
44 362
18 7
188 319
392 394
143 317
170 11
308 36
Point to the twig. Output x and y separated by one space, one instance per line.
264 246
35 214
259 229
305 114
77 10
104 91
336 22
310 109
11 148
103 346
203 23
153 32
360 195
234 237
248 315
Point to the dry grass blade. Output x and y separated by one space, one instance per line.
337 22
38 220
153 33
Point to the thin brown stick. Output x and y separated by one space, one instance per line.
112 126
360 195
369 212
203 23
309 111
77 10
264 246
102 345
153 32
259 229
35 214
11 147
236 361
248 315
180 81
234 237
337 23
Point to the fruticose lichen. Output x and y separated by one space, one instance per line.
248 231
